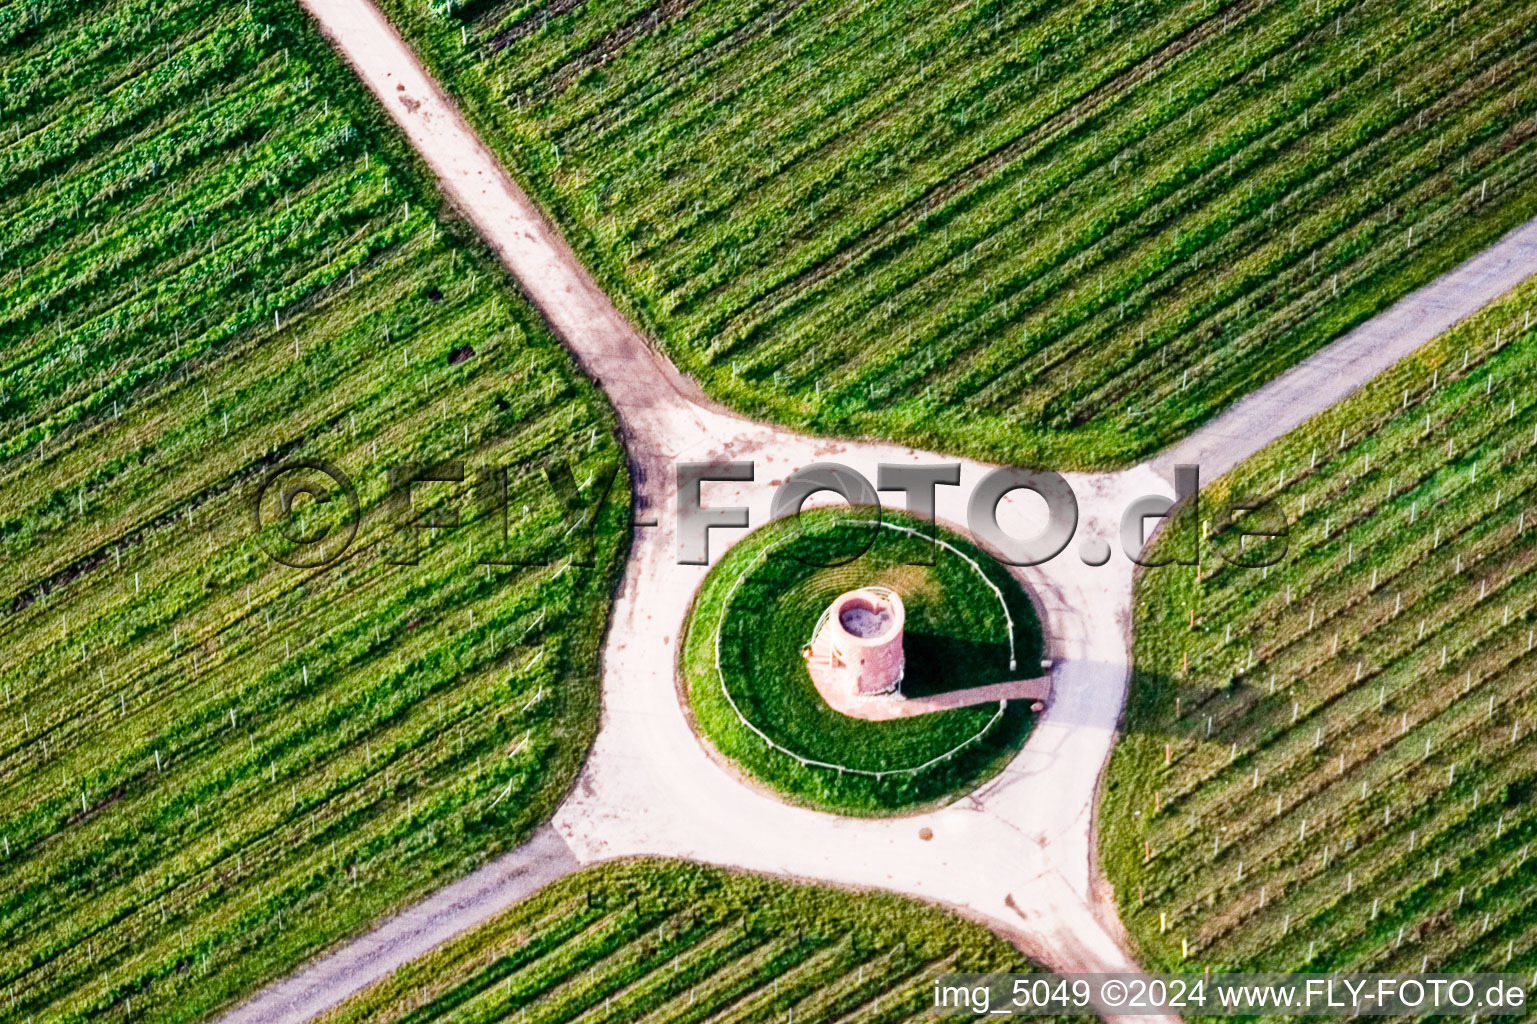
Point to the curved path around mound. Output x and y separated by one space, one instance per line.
1018 853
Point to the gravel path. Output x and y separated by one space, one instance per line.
328 980
1017 853
1332 373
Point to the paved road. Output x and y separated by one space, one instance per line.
1018 852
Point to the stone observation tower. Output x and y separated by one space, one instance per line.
856 662
861 634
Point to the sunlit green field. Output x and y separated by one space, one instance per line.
662 941
1329 764
217 260
1057 232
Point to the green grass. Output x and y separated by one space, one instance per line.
1048 232
217 258
669 942
763 600
1328 764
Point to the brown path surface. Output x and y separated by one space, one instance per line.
836 692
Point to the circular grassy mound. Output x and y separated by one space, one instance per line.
753 698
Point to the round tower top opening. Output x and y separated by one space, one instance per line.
865 622
869 615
